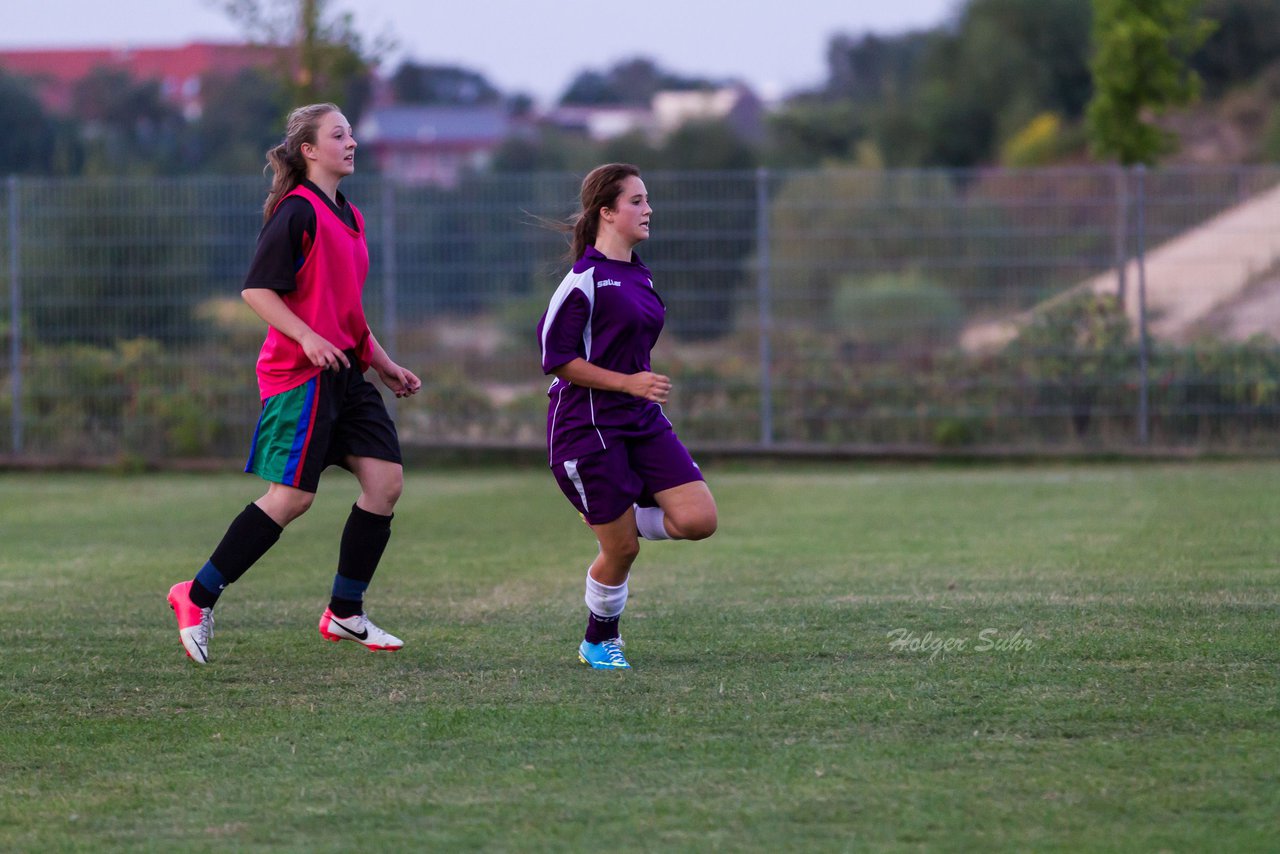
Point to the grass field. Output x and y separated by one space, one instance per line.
864 657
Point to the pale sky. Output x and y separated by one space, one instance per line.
534 46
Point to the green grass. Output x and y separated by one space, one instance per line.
767 709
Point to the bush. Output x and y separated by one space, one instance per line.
902 311
133 400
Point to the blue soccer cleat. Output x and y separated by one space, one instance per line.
603 656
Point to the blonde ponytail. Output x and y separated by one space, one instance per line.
285 162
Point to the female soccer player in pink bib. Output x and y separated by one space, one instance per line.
306 281
612 450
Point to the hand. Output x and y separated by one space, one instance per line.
401 381
323 354
650 386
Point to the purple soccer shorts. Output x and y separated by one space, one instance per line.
603 485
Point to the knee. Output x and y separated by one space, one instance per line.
286 505
622 551
696 526
301 503
383 492
392 488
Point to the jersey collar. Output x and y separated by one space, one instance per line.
324 197
593 254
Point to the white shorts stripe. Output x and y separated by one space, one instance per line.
571 469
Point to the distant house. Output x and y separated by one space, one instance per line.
601 122
180 71
667 111
735 105
433 144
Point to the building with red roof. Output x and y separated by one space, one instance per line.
180 71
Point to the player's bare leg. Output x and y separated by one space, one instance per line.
606 596
688 512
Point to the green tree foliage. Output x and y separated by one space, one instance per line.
1007 61
449 85
240 121
1073 352
632 82
1244 43
126 125
870 81
106 261
328 58
834 227
706 231
550 150
898 313
1041 50
1141 66
943 97
705 145
33 142
633 147
874 69
811 133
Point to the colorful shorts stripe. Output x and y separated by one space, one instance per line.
333 416
283 435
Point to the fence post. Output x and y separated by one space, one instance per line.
15 318
1144 413
1122 227
762 297
387 334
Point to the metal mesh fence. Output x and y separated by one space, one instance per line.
1086 310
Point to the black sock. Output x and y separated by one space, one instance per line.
249 536
601 629
364 539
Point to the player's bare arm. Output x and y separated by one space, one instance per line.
402 381
644 384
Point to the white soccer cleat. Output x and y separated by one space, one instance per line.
359 629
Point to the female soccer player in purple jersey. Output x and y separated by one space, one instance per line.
612 450
318 410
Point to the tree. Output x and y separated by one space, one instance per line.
874 68
126 124
843 227
1245 41
947 96
805 134
708 145
1141 66
239 122
447 85
1033 57
116 261
1006 62
632 82
328 60
549 150
33 143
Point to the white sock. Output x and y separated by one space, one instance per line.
603 600
650 522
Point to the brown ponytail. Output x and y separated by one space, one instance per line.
600 189
285 161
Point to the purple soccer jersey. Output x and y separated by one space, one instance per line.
607 313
